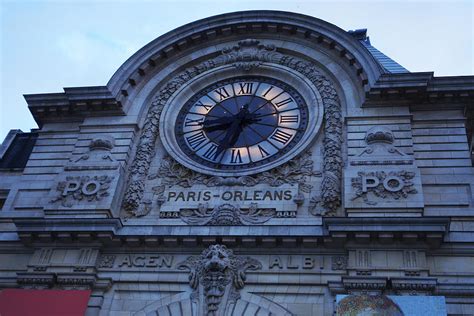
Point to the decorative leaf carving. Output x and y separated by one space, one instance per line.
295 171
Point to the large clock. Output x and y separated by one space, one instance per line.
239 125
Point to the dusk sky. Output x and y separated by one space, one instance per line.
48 45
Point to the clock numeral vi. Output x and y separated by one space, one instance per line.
195 140
236 156
245 88
281 136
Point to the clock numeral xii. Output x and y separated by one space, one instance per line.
245 88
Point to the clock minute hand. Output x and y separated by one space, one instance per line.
224 143
234 131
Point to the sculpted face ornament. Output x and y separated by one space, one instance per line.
217 275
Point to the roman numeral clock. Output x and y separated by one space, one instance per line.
237 126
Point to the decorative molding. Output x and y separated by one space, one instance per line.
245 55
67 281
169 214
414 285
216 277
76 189
36 280
75 281
285 214
393 185
364 284
226 214
382 162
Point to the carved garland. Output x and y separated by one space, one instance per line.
294 171
248 54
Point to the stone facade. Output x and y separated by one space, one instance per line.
379 200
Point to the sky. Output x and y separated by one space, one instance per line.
48 45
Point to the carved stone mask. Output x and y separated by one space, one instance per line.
217 259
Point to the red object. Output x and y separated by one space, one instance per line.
17 302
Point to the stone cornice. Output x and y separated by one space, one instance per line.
422 87
73 104
335 230
241 24
387 229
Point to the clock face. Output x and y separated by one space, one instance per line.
241 123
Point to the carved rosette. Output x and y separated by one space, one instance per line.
247 55
217 275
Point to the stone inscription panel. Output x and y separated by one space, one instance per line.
278 198
270 263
